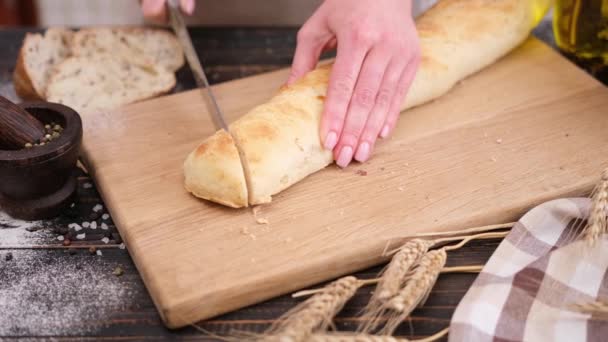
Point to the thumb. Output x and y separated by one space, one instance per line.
310 43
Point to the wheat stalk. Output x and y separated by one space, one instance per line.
350 337
373 281
392 279
407 256
597 224
416 290
314 314
594 308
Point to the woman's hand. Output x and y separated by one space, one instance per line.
156 10
377 58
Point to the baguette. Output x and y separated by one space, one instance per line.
279 140
37 57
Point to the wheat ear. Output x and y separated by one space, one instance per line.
594 308
350 337
416 290
597 224
314 314
392 279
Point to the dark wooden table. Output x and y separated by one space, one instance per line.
48 290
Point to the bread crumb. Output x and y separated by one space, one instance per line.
400 188
245 231
253 237
493 159
256 210
499 141
361 172
261 220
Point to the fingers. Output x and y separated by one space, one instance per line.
403 86
379 113
311 40
155 10
363 100
342 81
187 6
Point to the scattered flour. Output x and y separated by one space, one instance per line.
15 232
42 294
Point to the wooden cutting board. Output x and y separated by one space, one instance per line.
530 128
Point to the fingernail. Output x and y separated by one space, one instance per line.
190 6
346 155
362 152
385 131
331 140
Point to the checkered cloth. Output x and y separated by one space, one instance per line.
527 290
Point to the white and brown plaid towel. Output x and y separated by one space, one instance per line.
528 288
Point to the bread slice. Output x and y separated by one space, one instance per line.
279 140
139 45
37 57
102 82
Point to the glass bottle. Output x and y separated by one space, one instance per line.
581 28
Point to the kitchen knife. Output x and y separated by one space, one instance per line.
177 22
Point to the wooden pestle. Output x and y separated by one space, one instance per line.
17 126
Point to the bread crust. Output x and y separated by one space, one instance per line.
223 180
24 87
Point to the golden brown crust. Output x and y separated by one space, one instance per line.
213 172
21 81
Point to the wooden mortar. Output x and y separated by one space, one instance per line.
40 182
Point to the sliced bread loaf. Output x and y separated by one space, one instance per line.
101 82
37 58
139 45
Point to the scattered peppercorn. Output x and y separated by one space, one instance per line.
118 271
92 250
362 172
66 242
8 256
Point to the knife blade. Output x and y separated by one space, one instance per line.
177 23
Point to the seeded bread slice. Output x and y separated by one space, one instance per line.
139 45
102 82
37 58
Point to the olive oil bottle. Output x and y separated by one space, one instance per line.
581 28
